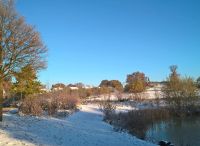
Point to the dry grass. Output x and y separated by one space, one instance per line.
137 122
108 109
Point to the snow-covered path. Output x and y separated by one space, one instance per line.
84 128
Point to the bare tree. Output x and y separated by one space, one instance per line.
173 68
20 45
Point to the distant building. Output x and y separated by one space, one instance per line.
58 87
44 88
74 88
78 86
88 86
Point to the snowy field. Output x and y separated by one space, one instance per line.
84 128
150 93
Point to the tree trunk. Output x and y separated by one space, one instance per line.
1 100
1 83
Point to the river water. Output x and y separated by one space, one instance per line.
179 131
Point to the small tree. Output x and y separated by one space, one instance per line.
136 82
26 82
20 45
114 84
117 85
179 92
104 83
173 82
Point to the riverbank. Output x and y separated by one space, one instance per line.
138 122
84 127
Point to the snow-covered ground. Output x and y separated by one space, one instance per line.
84 128
150 93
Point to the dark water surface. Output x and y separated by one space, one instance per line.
179 131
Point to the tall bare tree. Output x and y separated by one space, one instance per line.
20 45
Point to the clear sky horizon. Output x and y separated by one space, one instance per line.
92 40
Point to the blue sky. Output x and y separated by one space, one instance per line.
92 40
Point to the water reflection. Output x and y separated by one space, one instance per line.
179 131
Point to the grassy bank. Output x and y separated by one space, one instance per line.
137 122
